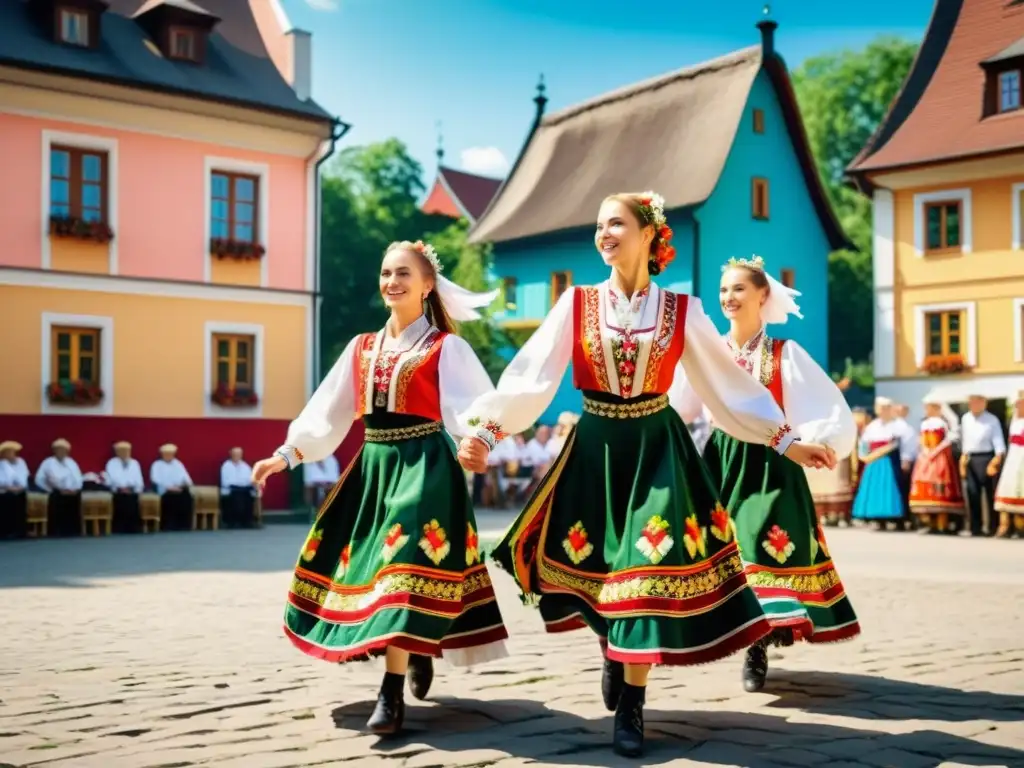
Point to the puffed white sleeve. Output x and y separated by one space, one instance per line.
814 404
683 398
462 379
529 383
327 417
739 406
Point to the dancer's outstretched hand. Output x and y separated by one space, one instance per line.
811 455
265 468
473 455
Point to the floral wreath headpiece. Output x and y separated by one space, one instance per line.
755 262
427 251
653 206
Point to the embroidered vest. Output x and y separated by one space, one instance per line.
770 374
589 362
407 384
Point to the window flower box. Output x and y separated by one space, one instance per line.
73 393
225 248
234 398
74 226
942 364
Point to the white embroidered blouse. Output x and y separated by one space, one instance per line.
529 383
325 421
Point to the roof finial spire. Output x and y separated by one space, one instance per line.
767 27
440 144
540 99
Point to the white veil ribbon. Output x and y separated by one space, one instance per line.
780 304
461 304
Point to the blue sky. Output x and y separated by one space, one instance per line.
397 67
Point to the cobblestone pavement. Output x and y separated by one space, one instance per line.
166 651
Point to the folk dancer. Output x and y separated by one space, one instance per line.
172 482
392 565
237 492
784 551
625 533
884 454
1010 491
123 476
936 488
60 477
909 438
319 477
13 491
982 454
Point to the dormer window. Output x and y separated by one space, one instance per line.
74 26
183 44
1009 90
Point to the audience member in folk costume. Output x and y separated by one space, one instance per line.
237 492
171 481
319 477
982 453
1010 491
13 491
910 439
884 454
935 487
60 477
123 476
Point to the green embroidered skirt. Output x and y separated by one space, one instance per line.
393 557
781 540
625 534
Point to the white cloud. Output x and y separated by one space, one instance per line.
323 5
487 161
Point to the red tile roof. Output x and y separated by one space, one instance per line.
471 193
938 114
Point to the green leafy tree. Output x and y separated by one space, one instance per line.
843 97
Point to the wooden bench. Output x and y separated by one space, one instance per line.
97 512
149 512
205 508
38 514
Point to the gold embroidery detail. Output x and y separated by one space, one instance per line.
409 368
389 584
661 342
625 410
365 358
593 344
767 361
401 433
803 583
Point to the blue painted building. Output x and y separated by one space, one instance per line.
723 142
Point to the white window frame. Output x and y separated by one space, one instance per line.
233 165
970 332
104 407
210 408
963 196
83 16
1018 235
1003 76
1018 330
80 141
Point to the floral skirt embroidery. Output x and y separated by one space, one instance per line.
1010 489
625 534
781 540
935 485
393 559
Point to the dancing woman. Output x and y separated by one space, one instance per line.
935 487
780 537
392 564
625 533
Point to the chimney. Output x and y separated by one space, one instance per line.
300 44
767 27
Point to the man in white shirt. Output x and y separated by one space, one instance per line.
13 491
171 481
123 476
984 447
319 477
60 477
535 454
237 493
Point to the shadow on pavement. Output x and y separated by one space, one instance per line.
532 731
878 698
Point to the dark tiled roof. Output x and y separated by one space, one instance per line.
237 68
474 193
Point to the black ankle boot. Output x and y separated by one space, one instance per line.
421 675
628 734
611 679
389 713
755 667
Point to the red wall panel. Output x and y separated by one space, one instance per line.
203 444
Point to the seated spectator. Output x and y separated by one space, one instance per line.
171 481
13 492
123 476
60 477
237 492
319 477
